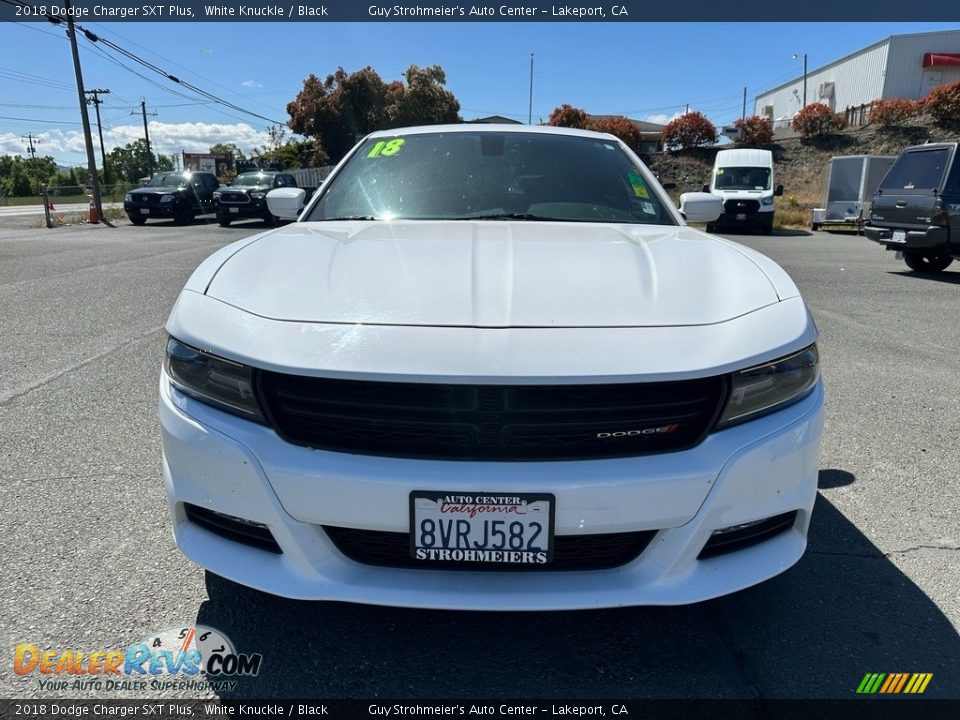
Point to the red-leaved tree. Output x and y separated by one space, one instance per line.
817 120
894 112
569 116
755 131
687 131
621 127
943 104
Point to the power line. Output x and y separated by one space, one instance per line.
94 38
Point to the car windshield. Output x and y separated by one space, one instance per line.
253 179
487 175
918 170
742 178
169 180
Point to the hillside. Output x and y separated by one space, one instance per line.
800 166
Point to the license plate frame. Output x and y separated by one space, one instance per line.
741 216
144 211
535 551
898 236
235 210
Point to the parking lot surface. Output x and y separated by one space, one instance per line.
89 561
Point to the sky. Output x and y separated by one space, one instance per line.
642 70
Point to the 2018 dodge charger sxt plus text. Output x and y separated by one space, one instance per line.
491 368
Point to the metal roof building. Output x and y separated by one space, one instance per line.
899 66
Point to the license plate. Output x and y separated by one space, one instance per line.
487 528
741 216
234 210
899 236
144 211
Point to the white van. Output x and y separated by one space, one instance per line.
743 178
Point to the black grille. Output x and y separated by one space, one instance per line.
570 552
741 206
747 537
234 197
491 422
256 536
147 198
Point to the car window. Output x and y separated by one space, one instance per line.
470 175
742 178
952 186
918 170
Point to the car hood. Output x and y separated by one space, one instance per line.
156 190
246 188
492 274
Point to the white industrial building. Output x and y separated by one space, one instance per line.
900 66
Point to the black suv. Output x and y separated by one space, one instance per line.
916 210
178 195
246 196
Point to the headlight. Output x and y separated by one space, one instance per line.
216 194
166 198
258 195
128 198
767 201
212 380
765 388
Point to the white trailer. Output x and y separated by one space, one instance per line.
851 183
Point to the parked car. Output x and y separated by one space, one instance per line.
743 179
245 197
491 367
916 210
180 195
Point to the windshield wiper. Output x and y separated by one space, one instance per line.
506 216
344 218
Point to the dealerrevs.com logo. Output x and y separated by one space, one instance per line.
180 658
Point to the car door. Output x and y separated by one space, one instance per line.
951 202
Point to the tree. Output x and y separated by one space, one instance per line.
230 149
131 161
343 108
943 104
569 116
755 131
424 100
817 120
894 112
687 131
621 127
21 177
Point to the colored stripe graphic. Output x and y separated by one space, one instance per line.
894 683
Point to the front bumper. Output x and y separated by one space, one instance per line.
752 471
746 220
158 210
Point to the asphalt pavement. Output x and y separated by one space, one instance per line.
89 562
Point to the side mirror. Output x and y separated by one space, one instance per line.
669 186
779 191
706 188
286 203
700 207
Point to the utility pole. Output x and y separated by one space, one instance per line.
91 162
30 148
146 135
687 110
804 79
743 114
530 104
97 102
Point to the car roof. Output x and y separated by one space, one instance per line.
932 146
491 128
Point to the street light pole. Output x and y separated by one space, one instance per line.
530 105
796 56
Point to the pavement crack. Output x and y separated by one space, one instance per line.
740 661
892 553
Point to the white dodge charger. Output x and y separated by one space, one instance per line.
491 367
